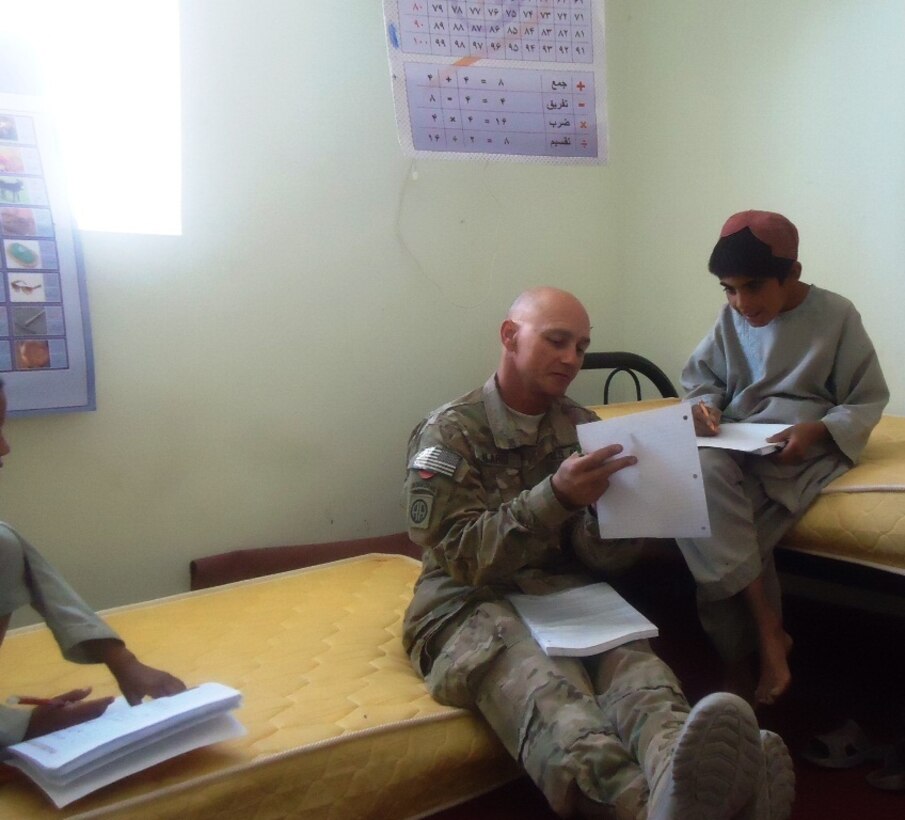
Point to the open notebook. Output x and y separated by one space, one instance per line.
73 762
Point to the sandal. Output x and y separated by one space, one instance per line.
892 776
842 748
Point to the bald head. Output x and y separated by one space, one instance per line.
544 301
544 336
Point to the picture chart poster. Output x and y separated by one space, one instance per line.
46 361
519 80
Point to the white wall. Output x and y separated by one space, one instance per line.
723 105
259 375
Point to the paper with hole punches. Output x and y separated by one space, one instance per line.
662 496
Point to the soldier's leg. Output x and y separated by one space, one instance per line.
543 710
699 763
640 695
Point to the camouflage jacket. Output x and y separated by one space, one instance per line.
479 500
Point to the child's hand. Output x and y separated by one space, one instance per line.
67 710
799 439
706 419
136 679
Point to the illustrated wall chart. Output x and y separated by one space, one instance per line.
521 80
45 341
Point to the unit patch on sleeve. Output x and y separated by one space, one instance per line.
420 510
437 460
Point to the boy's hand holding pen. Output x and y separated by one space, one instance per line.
59 712
706 420
56 702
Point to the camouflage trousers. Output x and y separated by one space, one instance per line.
594 735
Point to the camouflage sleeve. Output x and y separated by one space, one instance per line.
607 556
476 537
604 556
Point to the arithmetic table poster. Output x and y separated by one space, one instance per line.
520 80
46 360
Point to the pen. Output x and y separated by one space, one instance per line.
26 700
708 419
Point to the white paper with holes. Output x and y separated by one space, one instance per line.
662 496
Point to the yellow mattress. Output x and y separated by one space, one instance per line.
859 517
339 725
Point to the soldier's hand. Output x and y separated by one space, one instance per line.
581 479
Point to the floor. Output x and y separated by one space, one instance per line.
847 663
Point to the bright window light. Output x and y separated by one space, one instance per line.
111 74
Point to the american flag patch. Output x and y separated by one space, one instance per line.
437 460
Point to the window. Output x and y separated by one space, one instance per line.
110 72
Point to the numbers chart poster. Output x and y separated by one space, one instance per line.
517 80
46 359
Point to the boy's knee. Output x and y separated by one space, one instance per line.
718 465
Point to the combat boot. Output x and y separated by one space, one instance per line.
710 768
776 782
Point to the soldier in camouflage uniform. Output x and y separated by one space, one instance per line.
498 496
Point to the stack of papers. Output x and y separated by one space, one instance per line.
583 621
73 762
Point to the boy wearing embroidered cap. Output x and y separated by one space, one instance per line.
781 352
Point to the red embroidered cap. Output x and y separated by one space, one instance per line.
770 228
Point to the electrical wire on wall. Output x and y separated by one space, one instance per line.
409 178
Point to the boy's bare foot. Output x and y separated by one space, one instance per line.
775 675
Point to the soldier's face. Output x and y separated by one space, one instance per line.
548 352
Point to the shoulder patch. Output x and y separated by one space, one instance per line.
420 505
437 460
